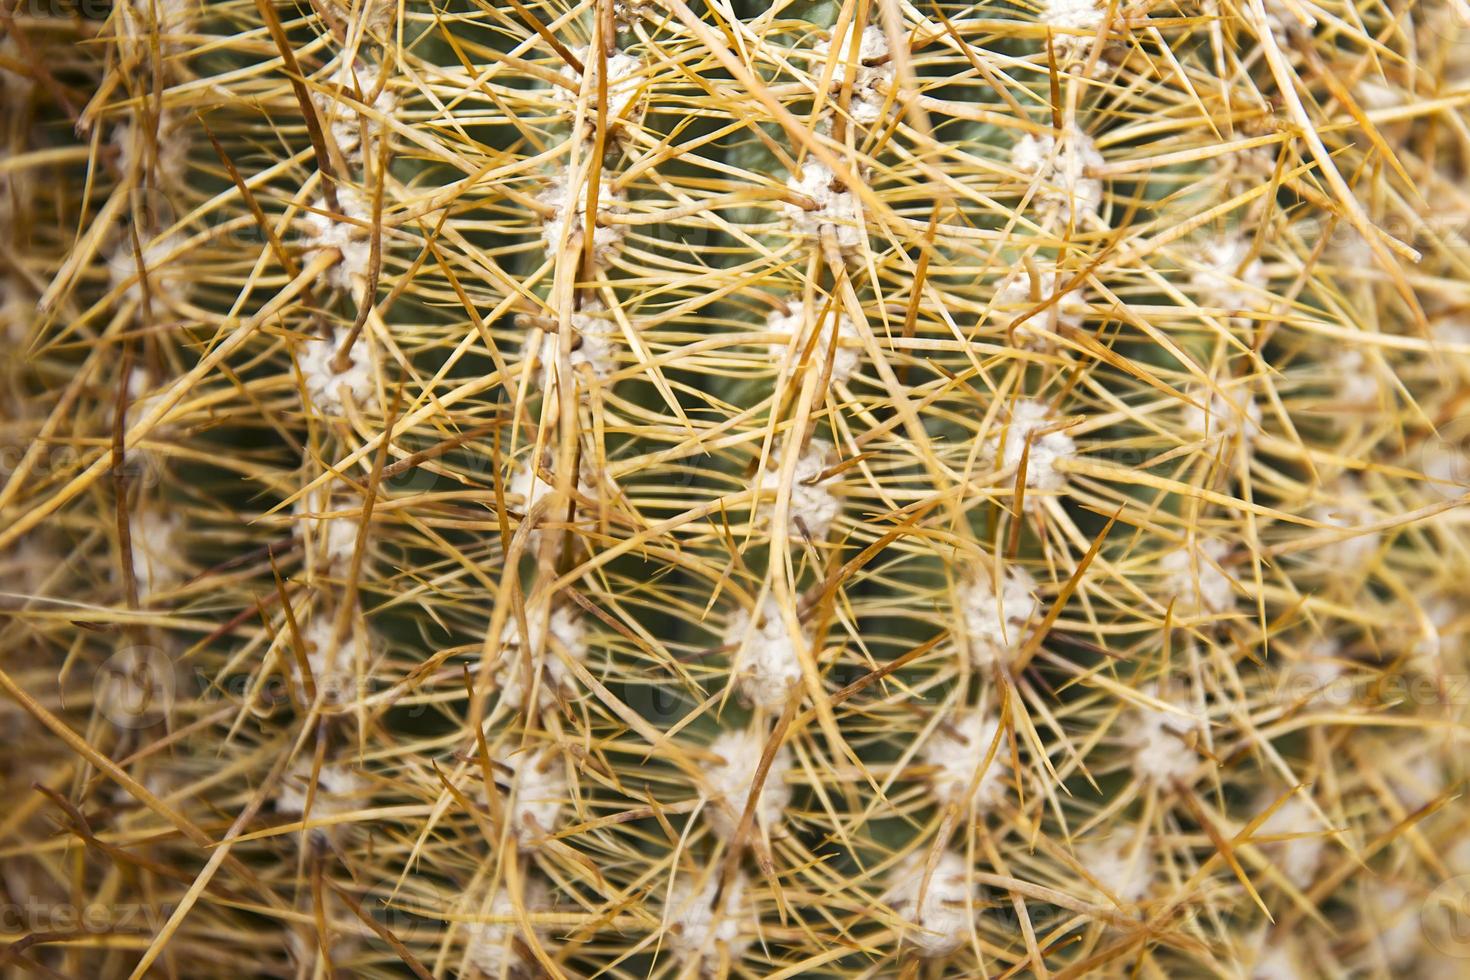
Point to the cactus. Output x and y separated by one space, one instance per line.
667 488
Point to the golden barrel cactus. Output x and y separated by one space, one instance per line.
684 488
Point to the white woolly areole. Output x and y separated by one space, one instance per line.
161 782
1313 676
527 484
872 47
27 566
1227 277
1161 741
1415 777
346 121
169 168
1350 253
332 661
1453 330
1062 168
1283 20
595 344
600 336
1398 930
324 386
141 400
378 16
16 313
569 218
1278 962
167 286
136 20
874 71
567 628
628 11
941 912
696 925
1071 15
867 103
1300 854
350 234
957 751
1047 448
1123 869
1356 382
624 86
490 946
15 87
995 615
844 359
1227 413
764 660
838 208
538 791
1349 509
155 542
730 782
813 505
333 538
1246 169
1194 579
1013 297
339 790
1440 613
1373 94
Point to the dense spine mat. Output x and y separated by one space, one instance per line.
677 488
